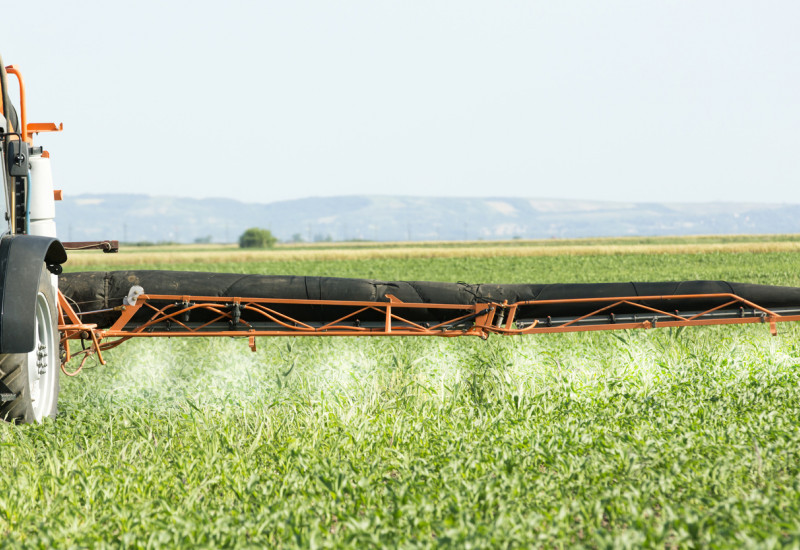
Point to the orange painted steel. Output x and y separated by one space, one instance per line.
37 127
25 129
482 319
70 327
394 324
23 110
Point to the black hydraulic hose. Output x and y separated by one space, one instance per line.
9 128
549 304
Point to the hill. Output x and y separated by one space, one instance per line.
133 218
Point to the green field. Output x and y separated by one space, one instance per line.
661 438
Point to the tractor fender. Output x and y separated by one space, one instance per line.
21 260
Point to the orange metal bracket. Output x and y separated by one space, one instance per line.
71 328
36 127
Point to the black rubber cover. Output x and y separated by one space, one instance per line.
101 290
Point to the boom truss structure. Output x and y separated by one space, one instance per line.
175 315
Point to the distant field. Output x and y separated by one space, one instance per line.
661 438
507 243
761 258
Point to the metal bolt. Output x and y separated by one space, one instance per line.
41 363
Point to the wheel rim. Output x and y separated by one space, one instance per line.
42 361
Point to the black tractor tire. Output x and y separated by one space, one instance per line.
32 379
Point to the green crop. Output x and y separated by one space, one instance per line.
660 438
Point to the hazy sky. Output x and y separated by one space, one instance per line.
264 101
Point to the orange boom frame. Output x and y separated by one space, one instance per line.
168 311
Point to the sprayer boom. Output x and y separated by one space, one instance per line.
97 307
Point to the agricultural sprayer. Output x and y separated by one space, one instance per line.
41 309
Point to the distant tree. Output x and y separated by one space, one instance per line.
297 238
203 240
320 238
255 237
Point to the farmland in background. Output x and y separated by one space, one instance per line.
656 438
769 259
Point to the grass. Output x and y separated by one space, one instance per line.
661 438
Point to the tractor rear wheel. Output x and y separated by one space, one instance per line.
32 378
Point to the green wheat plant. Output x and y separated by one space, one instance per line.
659 438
